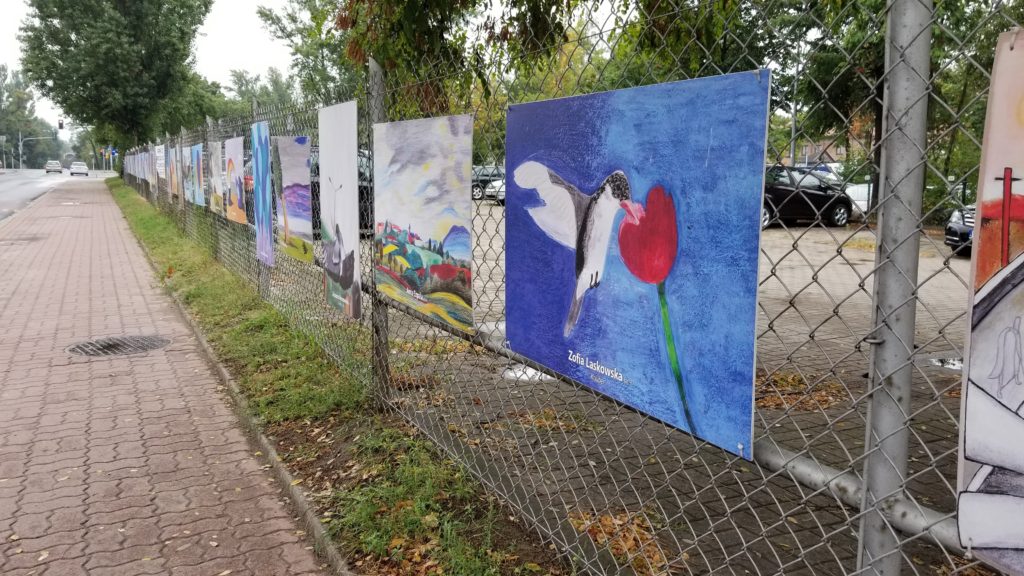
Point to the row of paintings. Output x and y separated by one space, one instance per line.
617 274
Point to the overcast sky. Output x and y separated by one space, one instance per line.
232 37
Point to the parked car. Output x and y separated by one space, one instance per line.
496 190
793 194
365 164
960 230
54 166
483 176
831 168
860 194
79 168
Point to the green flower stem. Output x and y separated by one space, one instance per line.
674 358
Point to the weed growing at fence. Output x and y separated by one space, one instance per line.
392 501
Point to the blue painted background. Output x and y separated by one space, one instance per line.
703 140
262 208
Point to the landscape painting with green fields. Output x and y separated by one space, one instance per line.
423 242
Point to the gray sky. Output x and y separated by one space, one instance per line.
232 37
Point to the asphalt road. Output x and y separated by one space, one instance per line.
17 189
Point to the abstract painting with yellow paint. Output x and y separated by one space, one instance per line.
423 241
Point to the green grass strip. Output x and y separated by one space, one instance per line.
413 509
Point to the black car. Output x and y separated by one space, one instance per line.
484 175
793 194
960 230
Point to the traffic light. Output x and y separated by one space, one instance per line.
60 123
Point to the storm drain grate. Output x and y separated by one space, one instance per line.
118 345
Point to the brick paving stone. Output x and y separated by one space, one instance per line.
121 464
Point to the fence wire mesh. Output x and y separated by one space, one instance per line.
860 325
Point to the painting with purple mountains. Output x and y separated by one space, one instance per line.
423 241
294 203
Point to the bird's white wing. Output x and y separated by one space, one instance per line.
558 217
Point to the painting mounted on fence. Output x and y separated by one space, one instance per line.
423 244
235 172
618 273
185 162
216 167
196 178
173 172
294 203
262 207
339 206
160 157
991 501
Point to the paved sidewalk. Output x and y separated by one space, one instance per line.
120 464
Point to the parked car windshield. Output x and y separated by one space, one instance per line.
778 175
810 179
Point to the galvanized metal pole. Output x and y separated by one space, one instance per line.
792 101
377 112
908 42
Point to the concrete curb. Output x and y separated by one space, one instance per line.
322 543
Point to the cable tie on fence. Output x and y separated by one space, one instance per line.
874 341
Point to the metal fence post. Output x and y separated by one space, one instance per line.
908 41
376 112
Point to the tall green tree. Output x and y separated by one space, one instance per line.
112 62
319 65
200 99
274 91
18 116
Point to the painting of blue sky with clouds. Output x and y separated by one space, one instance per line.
632 237
423 239
294 202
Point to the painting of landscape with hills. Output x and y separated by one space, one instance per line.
423 241
294 203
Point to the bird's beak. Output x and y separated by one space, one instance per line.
634 211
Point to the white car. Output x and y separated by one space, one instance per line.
53 166
859 193
496 190
79 168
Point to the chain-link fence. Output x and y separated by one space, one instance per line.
860 327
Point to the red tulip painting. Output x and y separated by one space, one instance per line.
632 226
648 243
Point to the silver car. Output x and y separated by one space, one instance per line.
79 168
54 166
496 191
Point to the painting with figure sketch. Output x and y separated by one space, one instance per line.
216 169
171 166
990 506
423 241
294 203
263 213
185 163
619 272
339 206
160 160
235 179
